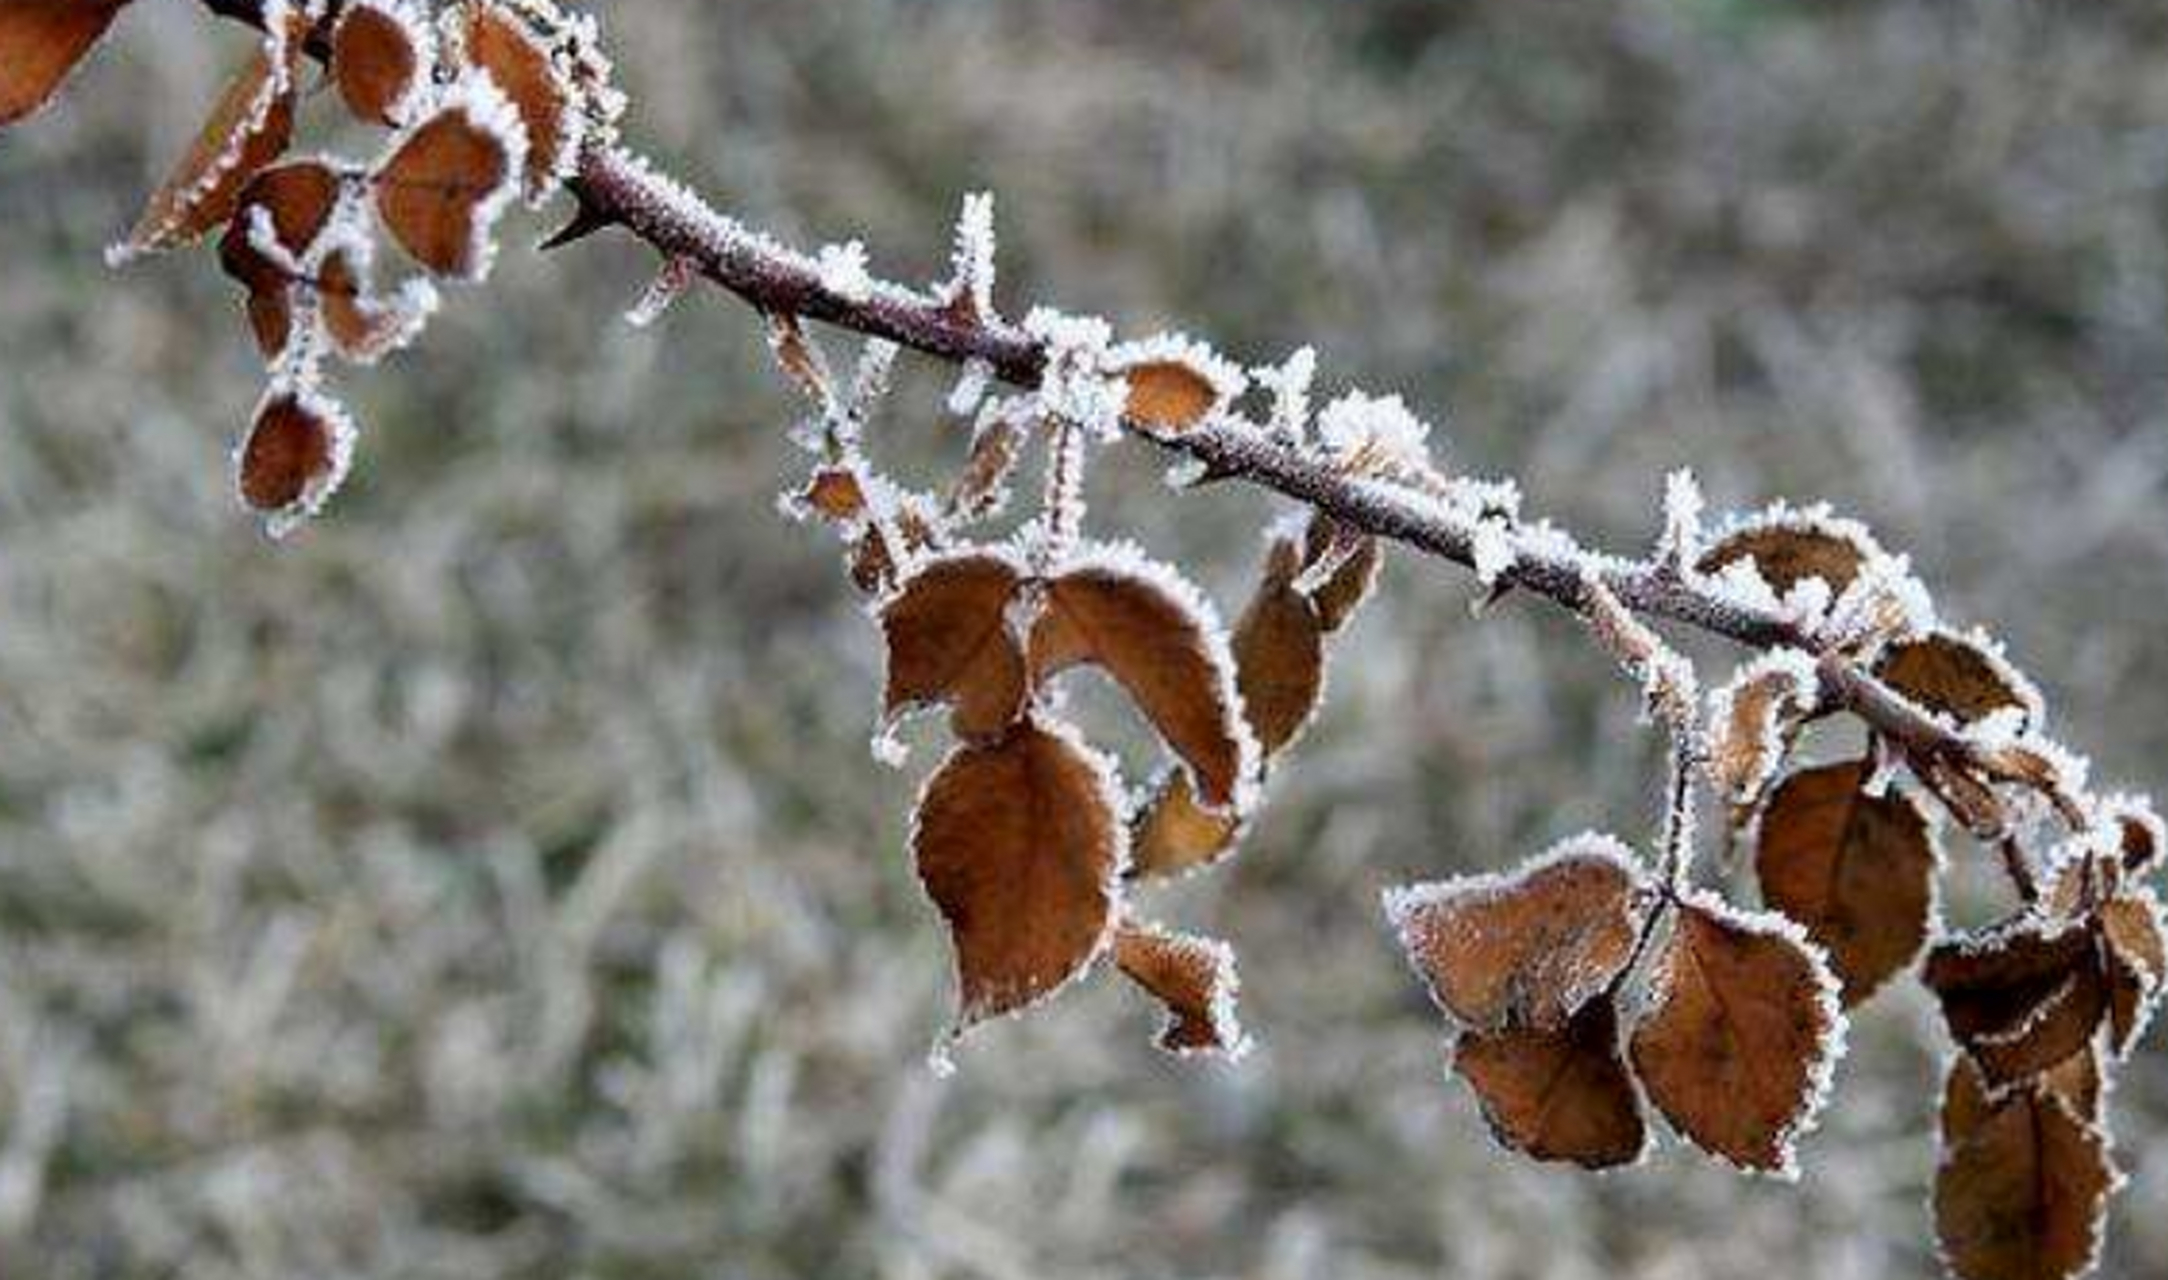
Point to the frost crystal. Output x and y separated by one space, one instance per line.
843 271
1680 543
971 271
1494 551
670 283
1077 386
1289 385
970 389
1359 429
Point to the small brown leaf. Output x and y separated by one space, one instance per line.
1169 396
298 198
2024 1196
40 43
2021 998
380 52
1019 844
1745 1031
2138 829
363 326
1279 650
1562 1094
1145 626
1789 547
1349 559
1752 723
978 492
517 57
1527 949
1173 835
951 639
1858 871
2137 962
296 454
448 178
1960 677
1194 978
251 126
1968 1103
835 495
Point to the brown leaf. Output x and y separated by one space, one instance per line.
1959 677
378 59
1752 723
1147 628
299 199
1279 650
517 58
1194 978
835 495
1968 1103
2020 998
296 454
1745 1031
1562 1094
1173 835
251 126
951 640
1019 844
449 177
2024 1196
1791 547
1169 396
978 492
1354 558
2137 962
363 326
1858 871
40 43
1527 949
2138 830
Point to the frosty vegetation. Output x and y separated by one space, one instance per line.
1600 984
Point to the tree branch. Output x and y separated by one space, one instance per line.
615 187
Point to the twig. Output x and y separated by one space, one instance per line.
615 187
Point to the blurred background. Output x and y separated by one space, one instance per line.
494 880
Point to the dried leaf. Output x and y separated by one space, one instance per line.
1194 978
1857 870
517 58
298 199
40 43
1745 1031
2020 999
251 126
448 178
1527 949
2024 1196
1562 1094
979 491
1147 628
2139 833
1347 562
1968 1103
297 452
380 55
951 639
1173 835
1752 722
1960 677
1169 396
835 495
363 326
1788 547
1279 650
1019 844
2136 961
